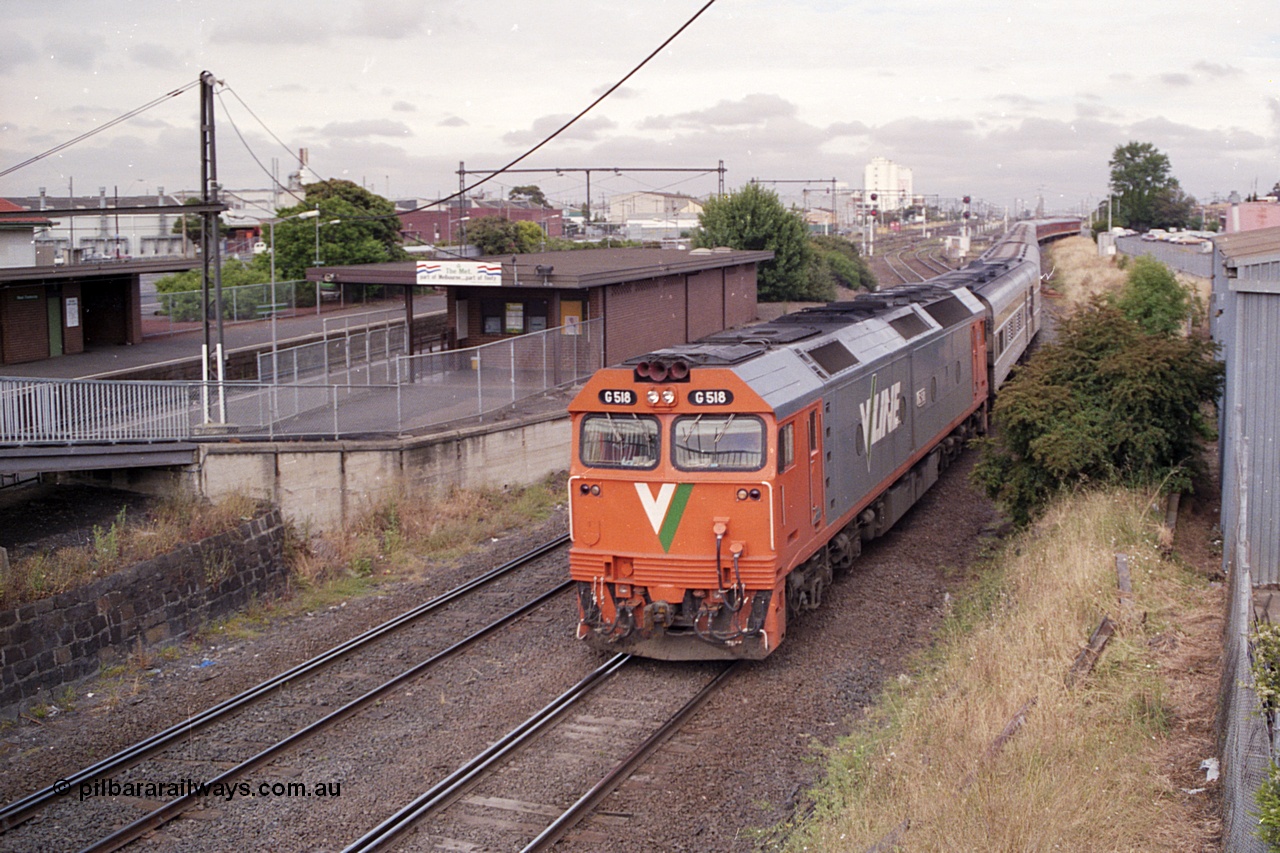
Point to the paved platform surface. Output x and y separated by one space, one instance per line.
102 362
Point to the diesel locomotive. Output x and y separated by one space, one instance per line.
717 488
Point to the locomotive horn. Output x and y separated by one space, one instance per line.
657 371
642 370
679 370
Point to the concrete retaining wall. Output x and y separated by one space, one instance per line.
324 485
58 640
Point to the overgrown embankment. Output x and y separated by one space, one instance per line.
990 745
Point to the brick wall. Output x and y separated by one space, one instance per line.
25 317
48 643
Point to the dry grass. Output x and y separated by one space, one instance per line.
1089 769
124 542
399 534
1079 272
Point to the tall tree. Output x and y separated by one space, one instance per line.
1145 191
355 226
754 218
532 192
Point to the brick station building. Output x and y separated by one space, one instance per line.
647 298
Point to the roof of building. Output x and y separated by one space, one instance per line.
1257 245
7 206
566 269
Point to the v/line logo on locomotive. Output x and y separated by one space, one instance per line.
881 413
665 509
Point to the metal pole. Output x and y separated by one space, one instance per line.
275 363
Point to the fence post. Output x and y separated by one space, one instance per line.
479 387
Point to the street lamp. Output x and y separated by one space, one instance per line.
271 224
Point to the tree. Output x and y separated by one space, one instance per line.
493 235
192 225
1106 403
1146 194
532 192
366 230
754 218
836 262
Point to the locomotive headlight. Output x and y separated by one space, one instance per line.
742 494
652 396
595 490
669 396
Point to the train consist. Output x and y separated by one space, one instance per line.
717 488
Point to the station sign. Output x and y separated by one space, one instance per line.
472 273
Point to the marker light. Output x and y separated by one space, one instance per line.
742 494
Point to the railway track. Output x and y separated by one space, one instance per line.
249 730
585 741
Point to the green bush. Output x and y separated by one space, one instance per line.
1108 403
1153 298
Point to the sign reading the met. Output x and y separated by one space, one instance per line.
474 273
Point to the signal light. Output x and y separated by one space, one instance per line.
966 199
874 196
875 211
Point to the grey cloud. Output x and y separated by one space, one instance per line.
154 55
585 129
300 30
624 93
366 127
404 107
453 121
17 51
1017 101
1213 69
1175 79
389 19
74 50
751 110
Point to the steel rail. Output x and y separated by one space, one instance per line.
456 783
17 811
588 802
175 807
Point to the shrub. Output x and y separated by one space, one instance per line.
1107 403
1153 298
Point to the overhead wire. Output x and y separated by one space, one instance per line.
275 182
87 134
573 120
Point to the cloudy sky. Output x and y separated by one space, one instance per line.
994 99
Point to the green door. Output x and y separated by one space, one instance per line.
55 326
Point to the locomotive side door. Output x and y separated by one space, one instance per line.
979 353
814 438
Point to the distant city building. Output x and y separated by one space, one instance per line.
114 234
1250 216
892 184
625 207
424 222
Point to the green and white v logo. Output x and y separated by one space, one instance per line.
665 510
